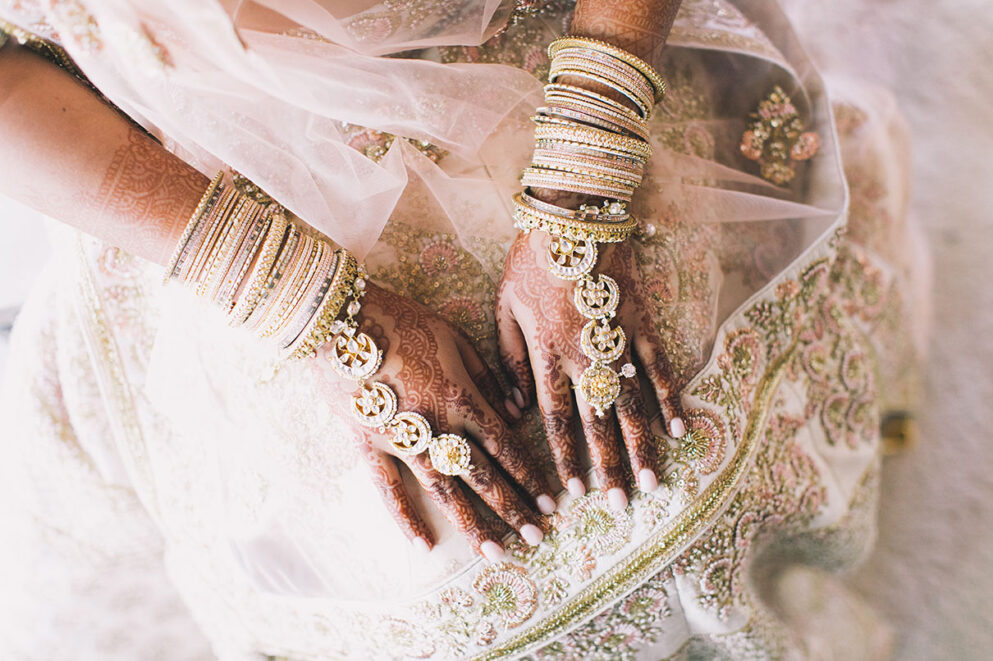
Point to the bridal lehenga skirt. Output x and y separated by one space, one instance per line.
162 487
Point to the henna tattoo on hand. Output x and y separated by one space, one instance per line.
150 192
387 481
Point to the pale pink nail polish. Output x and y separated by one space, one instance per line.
512 409
677 428
576 487
421 544
518 397
647 480
546 504
492 551
532 534
616 498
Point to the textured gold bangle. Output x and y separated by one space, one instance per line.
529 218
319 330
274 239
208 199
595 137
596 118
562 90
244 257
215 228
292 287
624 73
595 178
620 76
310 300
238 226
566 181
644 106
593 159
270 292
647 70
586 149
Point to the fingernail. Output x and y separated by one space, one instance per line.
546 504
647 480
616 498
576 487
677 428
421 544
532 534
512 409
518 396
492 551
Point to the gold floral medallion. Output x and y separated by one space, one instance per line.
450 454
571 260
374 404
355 355
411 432
599 385
597 299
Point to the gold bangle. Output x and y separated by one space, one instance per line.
594 137
209 197
244 258
215 227
623 72
637 99
620 76
647 70
314 291
274 239
573 91
270 293
529 218
320 329
290 288
238 225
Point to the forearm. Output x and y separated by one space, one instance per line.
67 154
638 26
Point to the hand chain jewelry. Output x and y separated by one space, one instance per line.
354 355
597 300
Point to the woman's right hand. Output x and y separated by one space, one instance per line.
435 371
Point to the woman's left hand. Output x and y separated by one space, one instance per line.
539 329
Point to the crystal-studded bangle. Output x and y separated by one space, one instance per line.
647 70
181 251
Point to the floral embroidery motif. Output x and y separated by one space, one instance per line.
618 632
776 139
509 593
784 493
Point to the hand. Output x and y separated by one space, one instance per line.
435 371
539 328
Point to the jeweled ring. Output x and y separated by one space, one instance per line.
450 454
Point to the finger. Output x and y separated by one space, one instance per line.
514 355
486 481
554 395
446 493
484 379
605 452
484 425
387 481
659 373
632 418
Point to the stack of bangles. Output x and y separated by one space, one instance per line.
591 144
294 289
